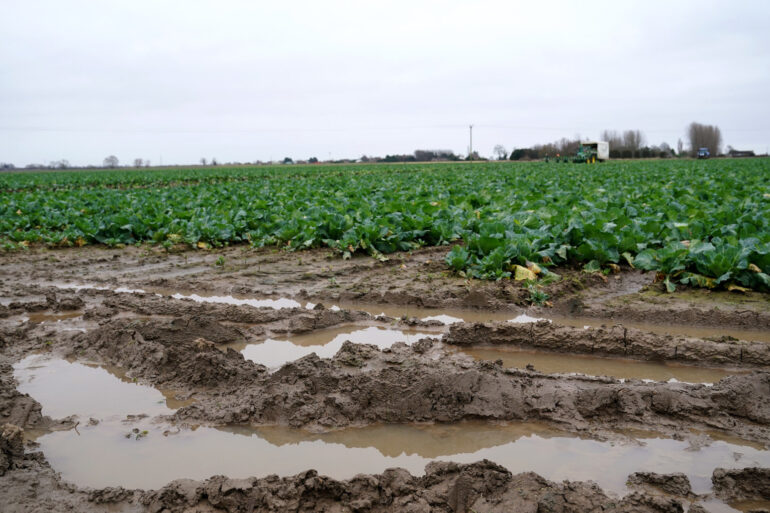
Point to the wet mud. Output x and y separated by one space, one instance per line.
361 384
612 341
553 362
742 485
310 359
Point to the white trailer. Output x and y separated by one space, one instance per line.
602 149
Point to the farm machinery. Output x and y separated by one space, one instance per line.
587 153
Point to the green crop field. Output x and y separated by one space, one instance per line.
703 223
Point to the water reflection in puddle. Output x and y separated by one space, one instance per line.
325 343
65 389
102 455
552 363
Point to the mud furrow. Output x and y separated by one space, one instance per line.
611 341
363 385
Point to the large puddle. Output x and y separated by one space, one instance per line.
552 363
143 453
325 343
88 391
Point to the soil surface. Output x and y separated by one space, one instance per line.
126 317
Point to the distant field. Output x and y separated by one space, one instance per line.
704 223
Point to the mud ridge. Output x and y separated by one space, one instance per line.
362 385
298 320
742 484
611 341
175 352
672 484
673 310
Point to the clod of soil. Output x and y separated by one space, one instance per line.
672 484
740 485
11 446
170 352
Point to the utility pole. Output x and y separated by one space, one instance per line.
470 154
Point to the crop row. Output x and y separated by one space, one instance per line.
162 177
699 223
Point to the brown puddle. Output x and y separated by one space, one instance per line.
325 343
44 317
64 388
553 363
103 455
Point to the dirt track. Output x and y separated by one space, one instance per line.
188 345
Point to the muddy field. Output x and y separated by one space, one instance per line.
241 380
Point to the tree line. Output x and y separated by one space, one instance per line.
630 144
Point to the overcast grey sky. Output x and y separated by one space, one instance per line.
253 80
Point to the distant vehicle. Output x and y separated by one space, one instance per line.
588 153
703 153
599 151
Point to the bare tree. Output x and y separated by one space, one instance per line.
59 164
138 162
111 161
633 140
203 161
501 152
704 136
679 147
612 137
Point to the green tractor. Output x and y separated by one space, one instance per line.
587 153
